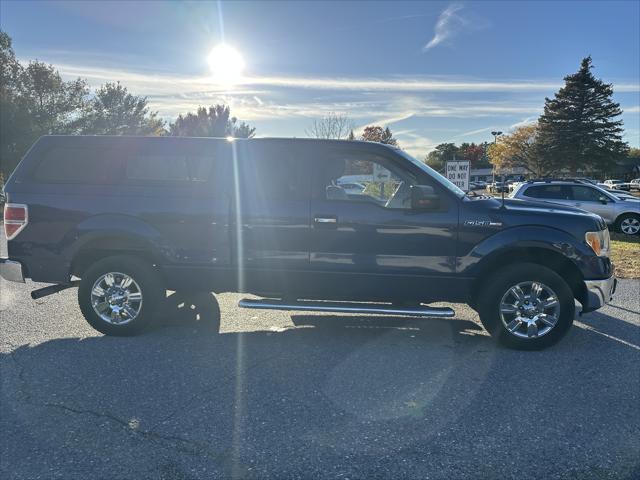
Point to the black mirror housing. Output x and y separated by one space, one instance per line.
423 197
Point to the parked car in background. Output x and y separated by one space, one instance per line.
634 184
624 195
497 187
481 184
617 184
132 217
514 185
352 188
621 213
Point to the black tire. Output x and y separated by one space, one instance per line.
627 217
191 309
490 298
145 277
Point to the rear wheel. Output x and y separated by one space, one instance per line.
526 306
119 295
628 224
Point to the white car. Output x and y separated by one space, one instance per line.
623 213
617 184
352 188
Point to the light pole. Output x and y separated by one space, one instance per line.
496 134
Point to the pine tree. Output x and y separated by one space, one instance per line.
578 129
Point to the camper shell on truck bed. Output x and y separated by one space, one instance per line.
131 217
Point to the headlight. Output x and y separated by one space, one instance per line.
599 242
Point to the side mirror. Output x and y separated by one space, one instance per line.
604 200
423 197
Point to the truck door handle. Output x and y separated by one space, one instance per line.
325 220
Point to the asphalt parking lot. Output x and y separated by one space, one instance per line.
281 395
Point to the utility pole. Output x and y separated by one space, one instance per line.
496 134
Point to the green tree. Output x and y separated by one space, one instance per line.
441 154
114 111
375 133
12 117
580 129
634 153
53 104
34 101
216 121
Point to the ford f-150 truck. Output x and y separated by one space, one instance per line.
128 218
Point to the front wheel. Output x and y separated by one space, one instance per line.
119 295
526 306
629 224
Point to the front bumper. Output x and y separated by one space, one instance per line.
599 293
11 270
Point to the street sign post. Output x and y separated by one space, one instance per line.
458 172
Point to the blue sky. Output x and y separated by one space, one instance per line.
431 71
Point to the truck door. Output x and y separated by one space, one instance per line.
272 215
371 242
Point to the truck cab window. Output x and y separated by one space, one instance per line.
364 178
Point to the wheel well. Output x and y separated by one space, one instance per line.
550 259
633 214
106 247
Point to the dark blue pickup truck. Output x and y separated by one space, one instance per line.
127 218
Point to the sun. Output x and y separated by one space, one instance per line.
226 64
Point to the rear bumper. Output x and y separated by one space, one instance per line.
11 270
599 293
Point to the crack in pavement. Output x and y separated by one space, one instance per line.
184 445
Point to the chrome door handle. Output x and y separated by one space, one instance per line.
325 220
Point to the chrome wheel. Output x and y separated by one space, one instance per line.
630 225
529 309
116 298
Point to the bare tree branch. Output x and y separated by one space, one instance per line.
332 126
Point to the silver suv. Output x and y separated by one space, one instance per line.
621 212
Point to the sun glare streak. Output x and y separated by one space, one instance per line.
238 219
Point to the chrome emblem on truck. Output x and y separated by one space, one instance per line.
481 223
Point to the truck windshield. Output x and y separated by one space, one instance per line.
441 179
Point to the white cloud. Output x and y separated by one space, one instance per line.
447 25
286 105
474 132
158 82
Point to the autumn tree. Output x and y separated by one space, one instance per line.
520 149
216 121
580 127
472 152
375 133
115 111
331 126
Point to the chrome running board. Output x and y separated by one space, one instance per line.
346 307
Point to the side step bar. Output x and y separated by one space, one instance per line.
346 307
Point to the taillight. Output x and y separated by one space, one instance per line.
16 217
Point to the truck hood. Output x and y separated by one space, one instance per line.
527 212
516 204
